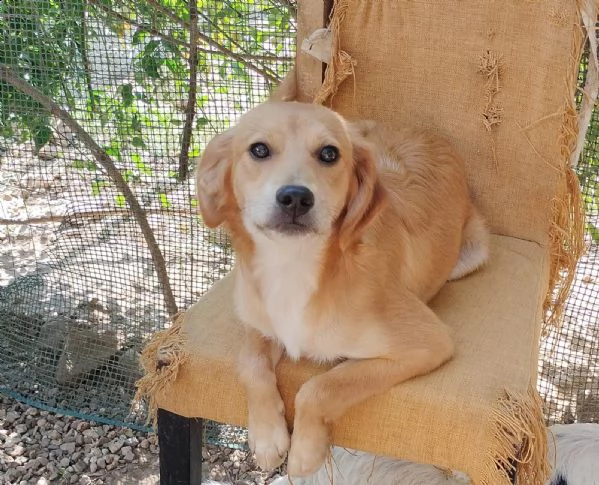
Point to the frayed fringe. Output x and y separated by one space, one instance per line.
520 441
341 65
567 246
161 359
566 234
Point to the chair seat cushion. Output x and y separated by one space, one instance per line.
467 416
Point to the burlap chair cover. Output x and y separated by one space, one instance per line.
499 80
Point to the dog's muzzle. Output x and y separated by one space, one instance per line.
295 200
294 203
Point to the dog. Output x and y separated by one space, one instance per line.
573 454
343 231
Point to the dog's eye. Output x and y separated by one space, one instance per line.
328 154
259 150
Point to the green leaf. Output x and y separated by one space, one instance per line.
136 157
120 200
150 66
41 135
85 164
126 91
139 36
97 186
137 142
201 122
164 202
114 150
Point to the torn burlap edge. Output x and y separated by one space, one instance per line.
520 441
341 65
567 230
161 359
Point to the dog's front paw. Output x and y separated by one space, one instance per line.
309 448
269 439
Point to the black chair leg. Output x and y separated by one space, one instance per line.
180 440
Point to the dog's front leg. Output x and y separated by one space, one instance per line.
414 342
267 429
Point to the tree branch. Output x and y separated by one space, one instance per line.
7 75
172 40
289 5
146 28
191 97
85 57
95 215
169 13
232 41
270 77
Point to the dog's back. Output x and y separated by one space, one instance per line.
574 454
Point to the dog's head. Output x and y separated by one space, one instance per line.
288 170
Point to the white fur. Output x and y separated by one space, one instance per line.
350 467
472 257
475 248
288 270
574 453
573 449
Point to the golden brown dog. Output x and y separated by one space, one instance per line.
343 232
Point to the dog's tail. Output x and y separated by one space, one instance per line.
475 246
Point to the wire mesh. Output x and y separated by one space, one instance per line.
569 359
79 290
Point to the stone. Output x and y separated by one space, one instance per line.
11 417
68 447
16 451
83 351
116 444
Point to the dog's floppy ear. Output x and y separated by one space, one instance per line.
367 196
212 191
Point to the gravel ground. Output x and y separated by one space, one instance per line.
38 447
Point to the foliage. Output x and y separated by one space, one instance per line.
40 40
50 44
588 174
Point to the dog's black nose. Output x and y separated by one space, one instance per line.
295 200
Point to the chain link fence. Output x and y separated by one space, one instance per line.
98 95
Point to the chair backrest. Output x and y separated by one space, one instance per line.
498 78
